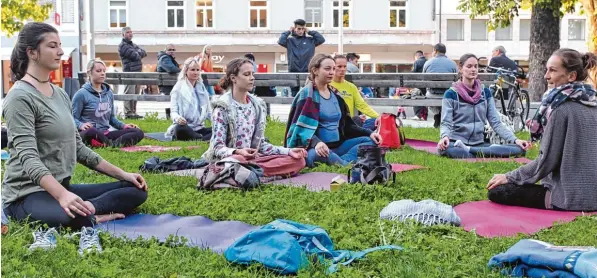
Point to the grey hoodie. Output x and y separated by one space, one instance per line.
96 108
466 122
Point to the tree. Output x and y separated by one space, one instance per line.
15 12
545 29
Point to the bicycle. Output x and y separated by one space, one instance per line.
518 108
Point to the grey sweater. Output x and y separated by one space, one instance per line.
567 161
42 140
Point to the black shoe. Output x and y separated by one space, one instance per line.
133 117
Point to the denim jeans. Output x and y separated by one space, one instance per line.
483 150
344 154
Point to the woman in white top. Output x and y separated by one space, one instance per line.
189 104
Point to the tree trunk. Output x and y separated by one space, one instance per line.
545 39
589 8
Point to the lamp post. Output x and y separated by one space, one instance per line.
340 27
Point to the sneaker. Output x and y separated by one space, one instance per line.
415 118
44 239
89 241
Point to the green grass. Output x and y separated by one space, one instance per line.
350 215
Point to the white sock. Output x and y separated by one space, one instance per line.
459 144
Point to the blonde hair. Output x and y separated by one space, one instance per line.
205 60
185 67
91 64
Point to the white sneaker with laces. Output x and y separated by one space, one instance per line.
89 241
44 239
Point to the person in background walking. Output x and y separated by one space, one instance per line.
440 63
131 56
353 63
299 48
167 63
420 111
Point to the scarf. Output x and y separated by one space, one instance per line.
304 116
577 91
469 95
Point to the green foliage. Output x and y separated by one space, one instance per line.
350 215
14 12
501 12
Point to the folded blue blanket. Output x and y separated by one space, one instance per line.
534 258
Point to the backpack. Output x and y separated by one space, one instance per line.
371 166
285 247
389 129
230 173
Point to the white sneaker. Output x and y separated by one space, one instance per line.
415 118
89 241
44 239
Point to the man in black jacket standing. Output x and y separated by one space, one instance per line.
299 48
130 55
420 111
167 63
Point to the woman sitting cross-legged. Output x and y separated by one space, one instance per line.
566 123
45 147
466 107
238 122
321 122
189 104
93 112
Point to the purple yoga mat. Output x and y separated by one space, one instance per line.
314 181
421 145
199 231
508 220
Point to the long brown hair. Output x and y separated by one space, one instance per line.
30 37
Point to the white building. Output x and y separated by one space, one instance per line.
463 35
386 33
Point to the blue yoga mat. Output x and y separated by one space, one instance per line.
199 231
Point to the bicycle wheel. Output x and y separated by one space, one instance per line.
518 110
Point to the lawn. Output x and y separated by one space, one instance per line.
350 215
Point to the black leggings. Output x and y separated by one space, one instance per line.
113 197
185 133
528 195
4 138
117 138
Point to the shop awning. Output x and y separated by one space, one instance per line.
5 52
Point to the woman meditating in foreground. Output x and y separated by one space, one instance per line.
466 107
238 124
566 123
320 120
189 104
93 112
45 146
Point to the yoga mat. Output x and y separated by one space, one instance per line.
421 145
160 136
431 147
489 219
154 149
199 231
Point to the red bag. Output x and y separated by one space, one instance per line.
389 129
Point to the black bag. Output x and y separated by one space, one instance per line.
371 166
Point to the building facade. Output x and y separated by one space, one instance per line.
385 33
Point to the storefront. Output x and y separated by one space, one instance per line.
56 77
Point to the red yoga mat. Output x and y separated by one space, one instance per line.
489 219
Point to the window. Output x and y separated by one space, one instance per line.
205 13
345 13
503 34
398 14
576 29
525 29
118 14
367 67
313 16
258 14
455 29
68 11
175 14
478 30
